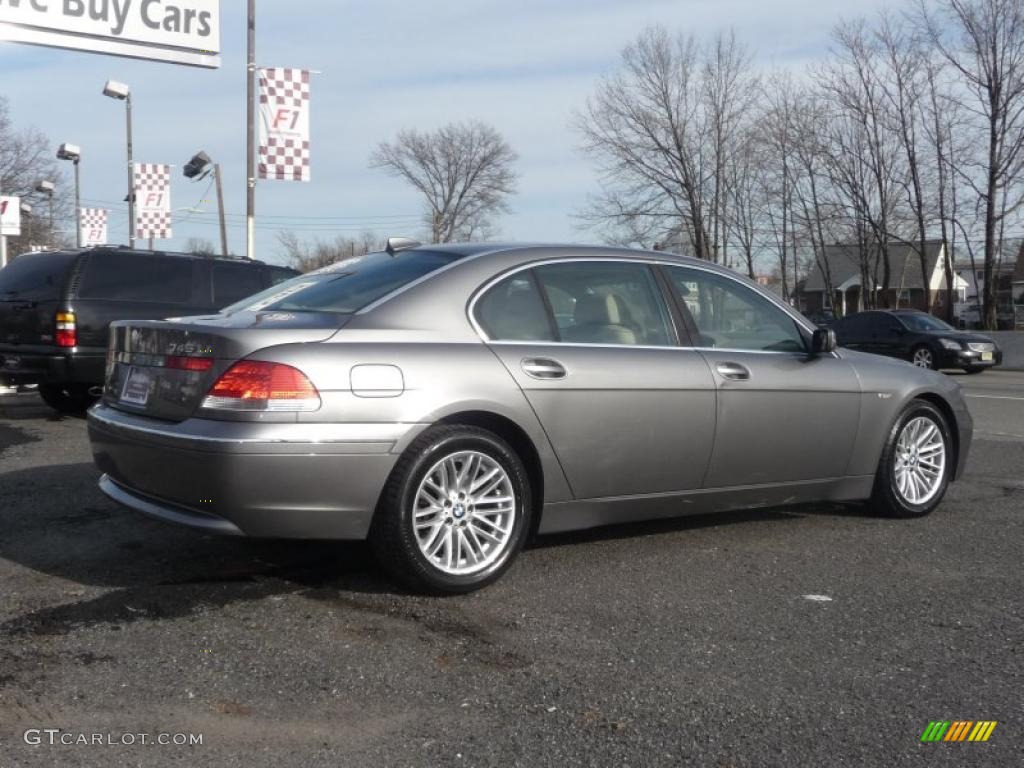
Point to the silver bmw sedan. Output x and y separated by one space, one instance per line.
447 401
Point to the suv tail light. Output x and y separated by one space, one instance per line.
253 385
67 330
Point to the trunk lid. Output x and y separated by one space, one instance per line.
31 292
155 367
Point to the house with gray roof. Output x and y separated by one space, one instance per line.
907 288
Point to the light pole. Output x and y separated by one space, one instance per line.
73 153
198 168
250 138
47 187
122 92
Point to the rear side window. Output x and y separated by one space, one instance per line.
233 282
35 276
121 276
513 311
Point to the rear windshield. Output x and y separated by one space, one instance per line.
126 276
347 286
35 276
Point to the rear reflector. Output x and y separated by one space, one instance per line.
67 330
188 363
253 385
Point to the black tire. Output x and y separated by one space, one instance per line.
71 399
392 534
923 348
885 497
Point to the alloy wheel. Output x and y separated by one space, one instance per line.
465 512
919 460
923 357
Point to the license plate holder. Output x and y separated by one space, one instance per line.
136 387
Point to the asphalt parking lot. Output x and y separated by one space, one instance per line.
820 636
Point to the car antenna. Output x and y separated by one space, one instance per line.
396 244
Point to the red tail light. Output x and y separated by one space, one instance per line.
253 385
67 330
188 363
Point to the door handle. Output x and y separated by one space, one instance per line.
733 371
543 368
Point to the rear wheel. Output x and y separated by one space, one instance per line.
916 464
923 357
455 511
73 399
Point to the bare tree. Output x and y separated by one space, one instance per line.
26 158
983 40
307 256
462 170
662 130
200 246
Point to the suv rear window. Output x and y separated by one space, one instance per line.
122 276
35 276
349 285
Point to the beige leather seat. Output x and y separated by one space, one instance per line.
601 319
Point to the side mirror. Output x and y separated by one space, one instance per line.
823 341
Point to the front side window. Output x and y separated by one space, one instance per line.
513 311
923 322
731 316
606 303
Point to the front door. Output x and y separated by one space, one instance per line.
594 349
783 416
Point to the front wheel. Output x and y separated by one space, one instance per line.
916 463
923 357
455 511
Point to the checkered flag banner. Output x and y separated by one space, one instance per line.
93 226
152 200
284 124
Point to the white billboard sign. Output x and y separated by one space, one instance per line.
176 31
10 216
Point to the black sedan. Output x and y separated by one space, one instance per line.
918 337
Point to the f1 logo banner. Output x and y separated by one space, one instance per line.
152 200
93 223
284 124
10 216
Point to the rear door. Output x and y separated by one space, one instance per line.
783 416
129 285
593 347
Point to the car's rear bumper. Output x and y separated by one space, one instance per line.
315 481
43 365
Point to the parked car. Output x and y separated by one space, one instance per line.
56 309
823 318
445 401
918 337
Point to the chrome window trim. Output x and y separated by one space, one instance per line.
423 278
471 307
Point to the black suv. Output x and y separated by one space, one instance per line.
56 309
923 339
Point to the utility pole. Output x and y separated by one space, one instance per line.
220 212
250 160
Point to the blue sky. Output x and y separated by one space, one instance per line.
524 66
